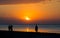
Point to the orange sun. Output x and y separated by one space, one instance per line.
27 18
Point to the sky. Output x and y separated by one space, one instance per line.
29 12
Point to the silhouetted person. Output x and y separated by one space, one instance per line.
10 27
36 28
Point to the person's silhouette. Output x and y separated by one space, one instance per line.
36 28
10 27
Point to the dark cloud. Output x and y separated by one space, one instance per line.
4 21
2 2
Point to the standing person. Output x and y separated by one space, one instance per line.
10 27
36 28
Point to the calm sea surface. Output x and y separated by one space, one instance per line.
30 28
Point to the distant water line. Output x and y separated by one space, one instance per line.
31 28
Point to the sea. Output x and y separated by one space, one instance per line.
31 28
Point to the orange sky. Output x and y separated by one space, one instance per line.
46 10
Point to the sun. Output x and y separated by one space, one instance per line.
27 18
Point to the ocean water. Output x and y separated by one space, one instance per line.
31 28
